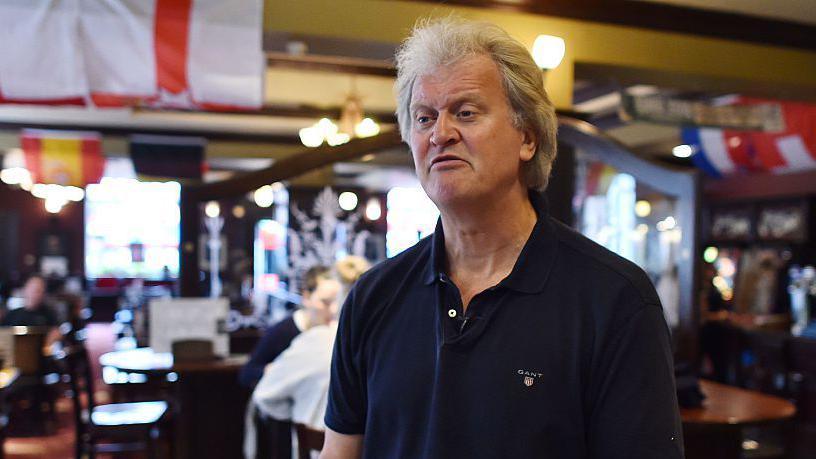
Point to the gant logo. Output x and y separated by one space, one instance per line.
529 376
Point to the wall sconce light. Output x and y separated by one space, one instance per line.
548 51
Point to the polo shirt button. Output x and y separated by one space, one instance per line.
451 313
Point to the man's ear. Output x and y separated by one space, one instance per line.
528 146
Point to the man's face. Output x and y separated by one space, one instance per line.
323 303
462 135
34 292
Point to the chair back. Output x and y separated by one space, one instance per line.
309 440
78 369
28 350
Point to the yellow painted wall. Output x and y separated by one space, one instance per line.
586 42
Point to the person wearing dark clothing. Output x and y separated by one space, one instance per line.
319 295
276 339
505 334
37 317
35 312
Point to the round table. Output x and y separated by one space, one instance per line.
144 360
209 403
715 429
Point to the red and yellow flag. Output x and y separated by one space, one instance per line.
63 157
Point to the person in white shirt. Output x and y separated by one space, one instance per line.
295 385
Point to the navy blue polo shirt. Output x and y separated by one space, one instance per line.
567 357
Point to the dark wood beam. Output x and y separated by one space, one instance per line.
760 186
286 42
351 65
691 83
296 164
210 134
285 111
664 17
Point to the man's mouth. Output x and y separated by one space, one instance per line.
445 160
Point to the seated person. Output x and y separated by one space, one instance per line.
35 312
319 295
295 385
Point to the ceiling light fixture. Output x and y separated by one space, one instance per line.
352 123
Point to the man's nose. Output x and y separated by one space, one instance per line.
444 132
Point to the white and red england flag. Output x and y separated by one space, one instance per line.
172 53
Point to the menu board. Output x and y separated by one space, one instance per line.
176 319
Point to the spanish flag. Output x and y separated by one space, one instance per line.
63 157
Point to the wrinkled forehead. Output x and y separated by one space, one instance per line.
472 76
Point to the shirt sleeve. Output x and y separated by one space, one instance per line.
635 413
274 394
347 405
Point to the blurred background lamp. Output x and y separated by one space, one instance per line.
310 137
548 51
366 128
337 138
373 209
15 175
643 209
238 211
710 254
347 200
683 151
212 209
264 196
74 193
54 205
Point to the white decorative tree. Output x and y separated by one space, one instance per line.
322 235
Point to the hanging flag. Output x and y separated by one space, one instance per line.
162 158
63 157
165 53
791 148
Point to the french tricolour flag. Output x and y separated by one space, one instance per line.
171 53
722 152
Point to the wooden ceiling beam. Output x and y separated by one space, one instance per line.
657 16
294 165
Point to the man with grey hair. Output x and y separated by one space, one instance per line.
505 334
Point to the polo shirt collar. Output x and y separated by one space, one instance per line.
535 260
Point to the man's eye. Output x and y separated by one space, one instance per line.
466 114
423 119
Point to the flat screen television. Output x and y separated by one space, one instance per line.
132 229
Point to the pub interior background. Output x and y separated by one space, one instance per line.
173 197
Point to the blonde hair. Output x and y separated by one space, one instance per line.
443 42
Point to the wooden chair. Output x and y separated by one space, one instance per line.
309 440
134 425
274 438
32 400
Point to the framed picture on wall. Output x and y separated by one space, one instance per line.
783 222
731 224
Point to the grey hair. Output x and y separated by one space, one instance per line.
443 42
